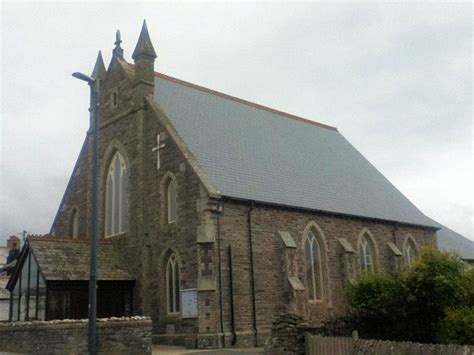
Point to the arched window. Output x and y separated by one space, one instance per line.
116 197
172 285
313 264
171 201
366 255
410 251
74 224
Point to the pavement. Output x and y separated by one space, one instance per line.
175 350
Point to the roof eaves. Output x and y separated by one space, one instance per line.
331 213
242 101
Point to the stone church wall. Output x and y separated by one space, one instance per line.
149 239
274 263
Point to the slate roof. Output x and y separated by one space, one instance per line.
252 152
67 259
449 240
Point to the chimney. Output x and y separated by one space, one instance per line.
13 242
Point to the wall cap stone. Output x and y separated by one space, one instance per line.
206 283
101 322
346 245
287 239
296 283
394 249
205 233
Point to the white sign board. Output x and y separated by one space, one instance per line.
189 306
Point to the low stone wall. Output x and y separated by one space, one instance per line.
288 333
115 336
291 334
318 345
363 346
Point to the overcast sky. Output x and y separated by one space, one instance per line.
396 79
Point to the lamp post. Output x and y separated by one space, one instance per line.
94 84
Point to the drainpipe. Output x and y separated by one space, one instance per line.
252 273
231 289
221 307
10 311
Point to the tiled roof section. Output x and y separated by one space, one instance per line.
449 240
250 152
68 259
241 101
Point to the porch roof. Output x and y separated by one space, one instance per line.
67 259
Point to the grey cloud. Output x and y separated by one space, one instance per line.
396 79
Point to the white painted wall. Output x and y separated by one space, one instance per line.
4 306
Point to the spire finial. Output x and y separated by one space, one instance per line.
118 51
99 68
144 45
118 38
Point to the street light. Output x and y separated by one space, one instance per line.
83 77
94 85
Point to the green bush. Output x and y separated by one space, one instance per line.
469 286
378 295
418 304
379 300
434 284
458 326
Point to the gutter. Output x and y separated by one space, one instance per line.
334 214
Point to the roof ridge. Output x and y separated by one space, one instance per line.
242 101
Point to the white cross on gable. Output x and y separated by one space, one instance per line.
157 150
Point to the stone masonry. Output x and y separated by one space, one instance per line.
115 336
210 230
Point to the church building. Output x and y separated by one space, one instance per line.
228 213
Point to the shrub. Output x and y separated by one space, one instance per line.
469 286
379 300
413 305
458 326
434 284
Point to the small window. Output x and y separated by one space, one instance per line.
74 226
115 99
172 285
410 251
314 272
366 255
171 201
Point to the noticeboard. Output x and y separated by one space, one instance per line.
189 306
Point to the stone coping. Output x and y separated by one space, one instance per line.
75 323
